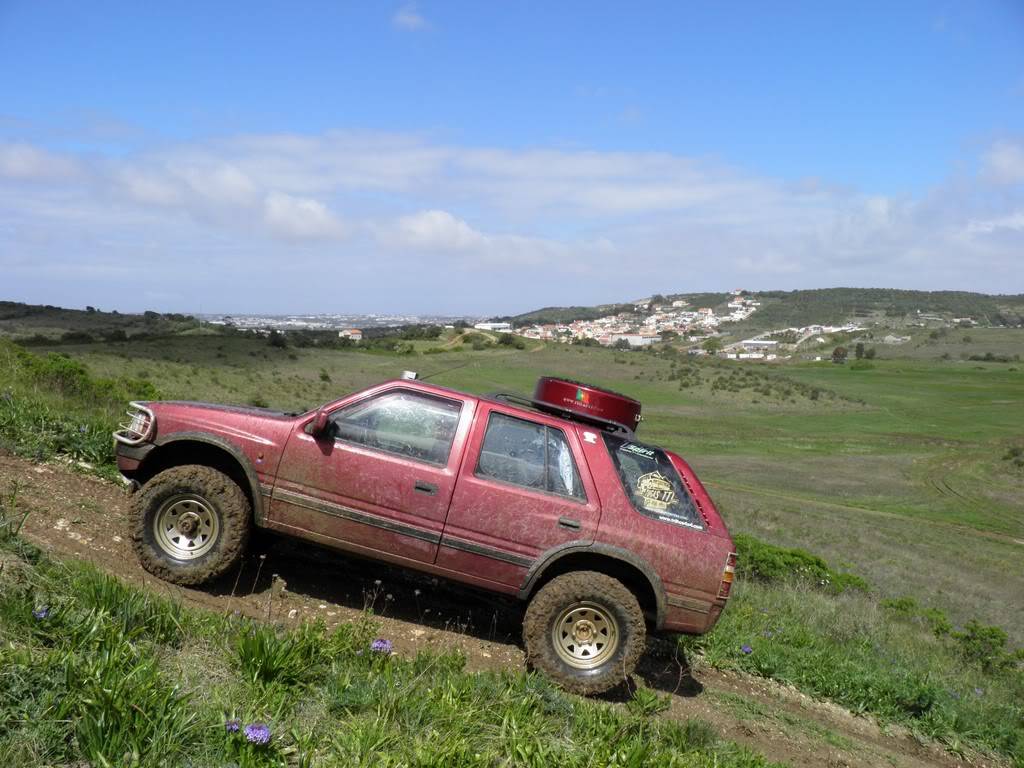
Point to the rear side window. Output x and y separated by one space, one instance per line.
652 483
528 454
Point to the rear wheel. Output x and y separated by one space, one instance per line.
585 631
190 524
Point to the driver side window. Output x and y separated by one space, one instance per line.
409 424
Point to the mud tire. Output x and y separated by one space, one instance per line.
223 498
560 595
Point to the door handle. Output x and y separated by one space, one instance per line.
568 522
422 486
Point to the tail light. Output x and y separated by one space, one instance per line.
728 574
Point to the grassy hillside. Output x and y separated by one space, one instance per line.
909 473
43 323
835 305
825 306
96 672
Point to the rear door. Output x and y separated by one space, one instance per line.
523 489
380 479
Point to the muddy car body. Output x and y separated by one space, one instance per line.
554 502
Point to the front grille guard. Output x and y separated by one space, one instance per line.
139 427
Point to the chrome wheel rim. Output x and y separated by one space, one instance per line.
186 527
585 635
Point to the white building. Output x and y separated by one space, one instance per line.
354 334
759 345
493 326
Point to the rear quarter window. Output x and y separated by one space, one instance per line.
652 484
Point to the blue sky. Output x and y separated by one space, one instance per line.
490 158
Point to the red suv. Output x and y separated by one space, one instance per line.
550 498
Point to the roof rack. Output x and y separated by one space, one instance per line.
538 405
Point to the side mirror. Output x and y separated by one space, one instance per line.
319 423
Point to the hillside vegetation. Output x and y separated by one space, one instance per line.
824 306
913 615
44 324
833 306
97 671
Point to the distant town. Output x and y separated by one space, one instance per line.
633 326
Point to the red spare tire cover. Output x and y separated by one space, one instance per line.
575 397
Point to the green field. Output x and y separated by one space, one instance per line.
896 471
902 472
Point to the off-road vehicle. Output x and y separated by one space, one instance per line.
550 498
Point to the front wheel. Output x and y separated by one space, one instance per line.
585 631
190 524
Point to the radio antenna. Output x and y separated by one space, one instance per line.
445 370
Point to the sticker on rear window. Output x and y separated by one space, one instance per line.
656 491
637 450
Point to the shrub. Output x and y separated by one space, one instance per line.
764 562
986 646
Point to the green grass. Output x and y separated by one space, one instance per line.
897 474
905 459
93 670
882 659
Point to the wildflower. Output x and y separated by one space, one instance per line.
979 691
42 612
257 733
767 633
381 645
83 428
232 726
746 649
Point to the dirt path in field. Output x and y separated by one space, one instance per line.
72 514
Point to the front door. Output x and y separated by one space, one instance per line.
380 478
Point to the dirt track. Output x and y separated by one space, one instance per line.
72 514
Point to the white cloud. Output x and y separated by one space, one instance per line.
221 184
438 231
1004 162
408 17
23 161
632 222
1014 222
300 218
148 188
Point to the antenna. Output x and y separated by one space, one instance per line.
445 370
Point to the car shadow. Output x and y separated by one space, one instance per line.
349 581
341 579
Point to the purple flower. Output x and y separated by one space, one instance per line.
41 612
257 733
767 633
979 691
381 645
232 726
746 649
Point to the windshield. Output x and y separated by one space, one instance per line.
652 483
